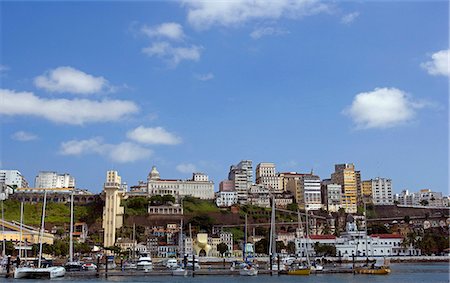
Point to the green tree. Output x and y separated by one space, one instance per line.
168 198
407 218
292 207
291 248
262 246
424 202
222 248
203 222
324 250
280 246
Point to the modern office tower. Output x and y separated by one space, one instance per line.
112 211
13 178
345 176
366 191
242 175
266 175
306 190
53 180
382 191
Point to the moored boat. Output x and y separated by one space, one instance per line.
39 273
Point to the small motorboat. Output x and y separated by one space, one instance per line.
144 263
39 273
180 271
248 270
73 266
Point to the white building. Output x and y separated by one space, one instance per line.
242 175
382 191
13 178
53 180
266 175
226 199
424 197
309 196
199 186
332 197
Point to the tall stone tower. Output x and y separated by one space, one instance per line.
112 211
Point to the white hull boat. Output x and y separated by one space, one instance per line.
39 273
145 264
180 272
251 271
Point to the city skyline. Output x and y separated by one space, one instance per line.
196 87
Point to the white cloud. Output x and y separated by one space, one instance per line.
349 18
23 136
439 64
265 31
75 111
3 68
122 153
156 135
382 108
204 77
186 168
70 80
172 31
204 14
173 55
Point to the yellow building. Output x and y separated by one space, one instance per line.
367 191
345 176
112 211
29 234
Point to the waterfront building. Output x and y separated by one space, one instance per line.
382 191
52 180
345 176
307 191
13 178
242 175
199 186
114 192
266 175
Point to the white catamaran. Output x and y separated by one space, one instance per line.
40 272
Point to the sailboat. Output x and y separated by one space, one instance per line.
272 241
180 271
381 267
247 269
40 272
299 269
72 265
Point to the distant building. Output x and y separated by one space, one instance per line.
344 175
50 179
286 177
366 191
406 198
13 178
226 186
382 191
242 175
266 175
307 191
226 198
199 186
331 196
426 196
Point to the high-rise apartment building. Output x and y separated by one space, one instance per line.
112 211
266 175
345 176
242 175
366 191
331 195
382 191
53 180
13 178
306 190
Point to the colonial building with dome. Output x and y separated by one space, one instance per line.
199 186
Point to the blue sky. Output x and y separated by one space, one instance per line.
88 87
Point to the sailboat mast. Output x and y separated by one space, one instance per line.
272 242
365 220
71 229
307 237
180 239
21 229
245 239
41 234
3 230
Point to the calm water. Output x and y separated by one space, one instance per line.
401 273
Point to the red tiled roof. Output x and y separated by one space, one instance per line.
322 237
387 236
